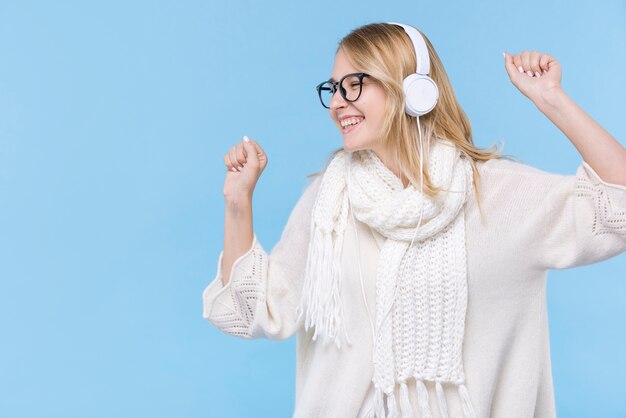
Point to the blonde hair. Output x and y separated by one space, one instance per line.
386 52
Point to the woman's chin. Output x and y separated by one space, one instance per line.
347 147
350 148
350 144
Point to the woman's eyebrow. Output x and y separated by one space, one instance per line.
332 80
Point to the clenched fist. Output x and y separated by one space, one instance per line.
245 163
534 74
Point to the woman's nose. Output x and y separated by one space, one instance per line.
336 100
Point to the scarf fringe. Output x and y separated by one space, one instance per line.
392 407
377 408
422 398
405 402
466 402
325 297
441 398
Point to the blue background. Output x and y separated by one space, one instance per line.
114 118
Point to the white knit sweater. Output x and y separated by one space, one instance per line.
533 221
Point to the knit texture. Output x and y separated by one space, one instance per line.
424 286
247 290
607 220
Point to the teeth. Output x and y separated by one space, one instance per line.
351 121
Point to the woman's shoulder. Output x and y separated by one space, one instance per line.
509 176
502 178
505 165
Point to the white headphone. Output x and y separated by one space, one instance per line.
420 91
420 97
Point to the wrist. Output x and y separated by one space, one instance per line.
552 98
238 202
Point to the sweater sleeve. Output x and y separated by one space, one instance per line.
565 221
260 299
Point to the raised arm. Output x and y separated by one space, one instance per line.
238 232
538 77
245 162
255 294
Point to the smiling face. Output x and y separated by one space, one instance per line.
369 109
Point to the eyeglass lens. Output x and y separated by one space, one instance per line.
350 90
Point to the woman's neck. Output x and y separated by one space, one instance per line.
386 156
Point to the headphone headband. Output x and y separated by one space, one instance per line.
421 50
420 91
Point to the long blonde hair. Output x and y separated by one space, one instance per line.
386 52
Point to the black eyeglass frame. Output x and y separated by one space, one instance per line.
342 91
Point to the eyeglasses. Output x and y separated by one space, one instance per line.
350 87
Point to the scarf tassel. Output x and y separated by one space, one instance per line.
310 302
336 306
392 406
377 409
443 407
324 323
405 403
466 403
422 398
323 298
310 305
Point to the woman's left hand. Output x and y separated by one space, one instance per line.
540 73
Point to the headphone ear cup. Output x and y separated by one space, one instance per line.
421 94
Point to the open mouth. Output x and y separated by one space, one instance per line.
353 123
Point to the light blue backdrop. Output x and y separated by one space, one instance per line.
114 117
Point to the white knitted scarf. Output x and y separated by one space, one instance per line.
423 337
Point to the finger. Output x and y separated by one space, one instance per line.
232 154
243 149
526 63
509 65
252 149
543 62
534 63
241 158
517 61
259 151
228 164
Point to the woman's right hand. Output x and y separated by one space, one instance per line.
248 161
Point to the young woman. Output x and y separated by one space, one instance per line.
413 267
